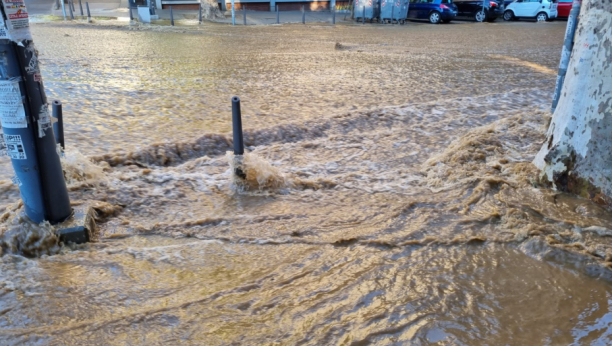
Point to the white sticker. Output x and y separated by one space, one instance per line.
14 147
16 181
2 146
3 32
12 113
17 23
44 120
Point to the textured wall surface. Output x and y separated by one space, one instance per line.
577 155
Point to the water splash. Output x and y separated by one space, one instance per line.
251 172
79 170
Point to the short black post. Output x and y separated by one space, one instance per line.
72 5
58 127
334 16
71 13
88 13
131 15
237 126
363 17
244 14
200 14
277 15
392 8
171 17
81 8
303 14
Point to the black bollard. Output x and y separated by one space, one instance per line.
88 13
363 18
131 15
58 127
303 15
171 17
237 126
81 8
334 16
244 14
277 15
71 13
200 14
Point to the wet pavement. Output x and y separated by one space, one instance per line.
389 196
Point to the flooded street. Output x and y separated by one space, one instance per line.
389 198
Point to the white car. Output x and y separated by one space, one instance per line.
541 10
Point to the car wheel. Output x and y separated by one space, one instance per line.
508 15
402 22
480 16
542 17
434 17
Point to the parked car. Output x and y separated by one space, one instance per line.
473 9
437 11
540 10
563 8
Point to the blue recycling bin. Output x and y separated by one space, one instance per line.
394 10
366 9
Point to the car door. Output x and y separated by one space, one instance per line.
564 8
530 8
413 9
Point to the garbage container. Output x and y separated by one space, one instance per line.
394 10
369 9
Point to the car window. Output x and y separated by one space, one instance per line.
447 1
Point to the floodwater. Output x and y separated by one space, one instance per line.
389 196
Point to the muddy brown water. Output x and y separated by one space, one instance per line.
389 198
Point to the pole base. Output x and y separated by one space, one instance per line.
80 227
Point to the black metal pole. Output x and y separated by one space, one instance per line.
81 8
244 14
363 18
71 12
568 47
171 17
72 5
58 127
130 10
334 16
303 14
237 126
54 190
200 14
277 15
88 13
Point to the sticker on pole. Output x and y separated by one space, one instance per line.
14 147
16 181
12 113
44 120
3 32
17 20
2 146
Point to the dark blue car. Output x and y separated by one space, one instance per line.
437 11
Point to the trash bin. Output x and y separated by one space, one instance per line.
394 10
369 9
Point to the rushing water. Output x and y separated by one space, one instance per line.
389 196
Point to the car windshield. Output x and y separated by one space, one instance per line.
447 1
